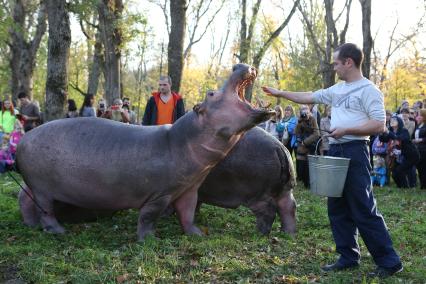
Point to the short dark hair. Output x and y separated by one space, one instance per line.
165 77
350 50
22 95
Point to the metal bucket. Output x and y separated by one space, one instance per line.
327 175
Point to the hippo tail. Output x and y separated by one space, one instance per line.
288 173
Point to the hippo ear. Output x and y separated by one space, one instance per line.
199 108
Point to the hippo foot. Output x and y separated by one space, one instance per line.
143 234
289 231
54 230
193 230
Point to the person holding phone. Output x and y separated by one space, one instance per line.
117 112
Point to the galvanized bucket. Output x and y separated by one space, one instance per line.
327 175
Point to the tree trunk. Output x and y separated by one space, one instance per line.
176 39
97 66
110 12
367 38
57 59
24 50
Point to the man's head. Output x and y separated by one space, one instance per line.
23 98
164 85
405 113
347 59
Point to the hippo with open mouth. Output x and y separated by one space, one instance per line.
102 164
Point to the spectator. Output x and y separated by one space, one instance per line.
404 104
15 137
102 107
408 124
72 109
132 114
379 176
314 109
420 141
8 116
307 134
29 111
87 109
388 118
289 122
6 159
117 112
404 155
164 106
273 123
325 128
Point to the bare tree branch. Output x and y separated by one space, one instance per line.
257 58
198 15
77 88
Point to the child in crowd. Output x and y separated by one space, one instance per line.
378 176
6 158
15 136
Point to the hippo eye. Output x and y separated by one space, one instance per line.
210 94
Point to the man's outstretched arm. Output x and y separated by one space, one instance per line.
297 97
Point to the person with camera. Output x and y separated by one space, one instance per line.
100 111
307 135
164 106
357 112
117 112
127 106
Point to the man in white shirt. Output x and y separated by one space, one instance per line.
357 111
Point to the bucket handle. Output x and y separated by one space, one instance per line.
318 142
316 147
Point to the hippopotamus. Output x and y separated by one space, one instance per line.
258 173
102 164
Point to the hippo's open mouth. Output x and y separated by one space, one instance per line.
248 80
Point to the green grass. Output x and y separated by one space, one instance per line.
232 252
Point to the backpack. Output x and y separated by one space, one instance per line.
379 148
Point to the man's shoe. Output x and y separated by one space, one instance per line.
338 266
384 272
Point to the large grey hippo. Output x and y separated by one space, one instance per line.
257 173
101 164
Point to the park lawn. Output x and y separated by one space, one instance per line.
232 252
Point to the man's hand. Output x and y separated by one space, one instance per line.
337 133
25 117
271 91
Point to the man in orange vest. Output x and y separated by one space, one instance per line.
164 106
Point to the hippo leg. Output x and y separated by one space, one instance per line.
28 209
149 213
265 212
287 211
185 208
47 218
